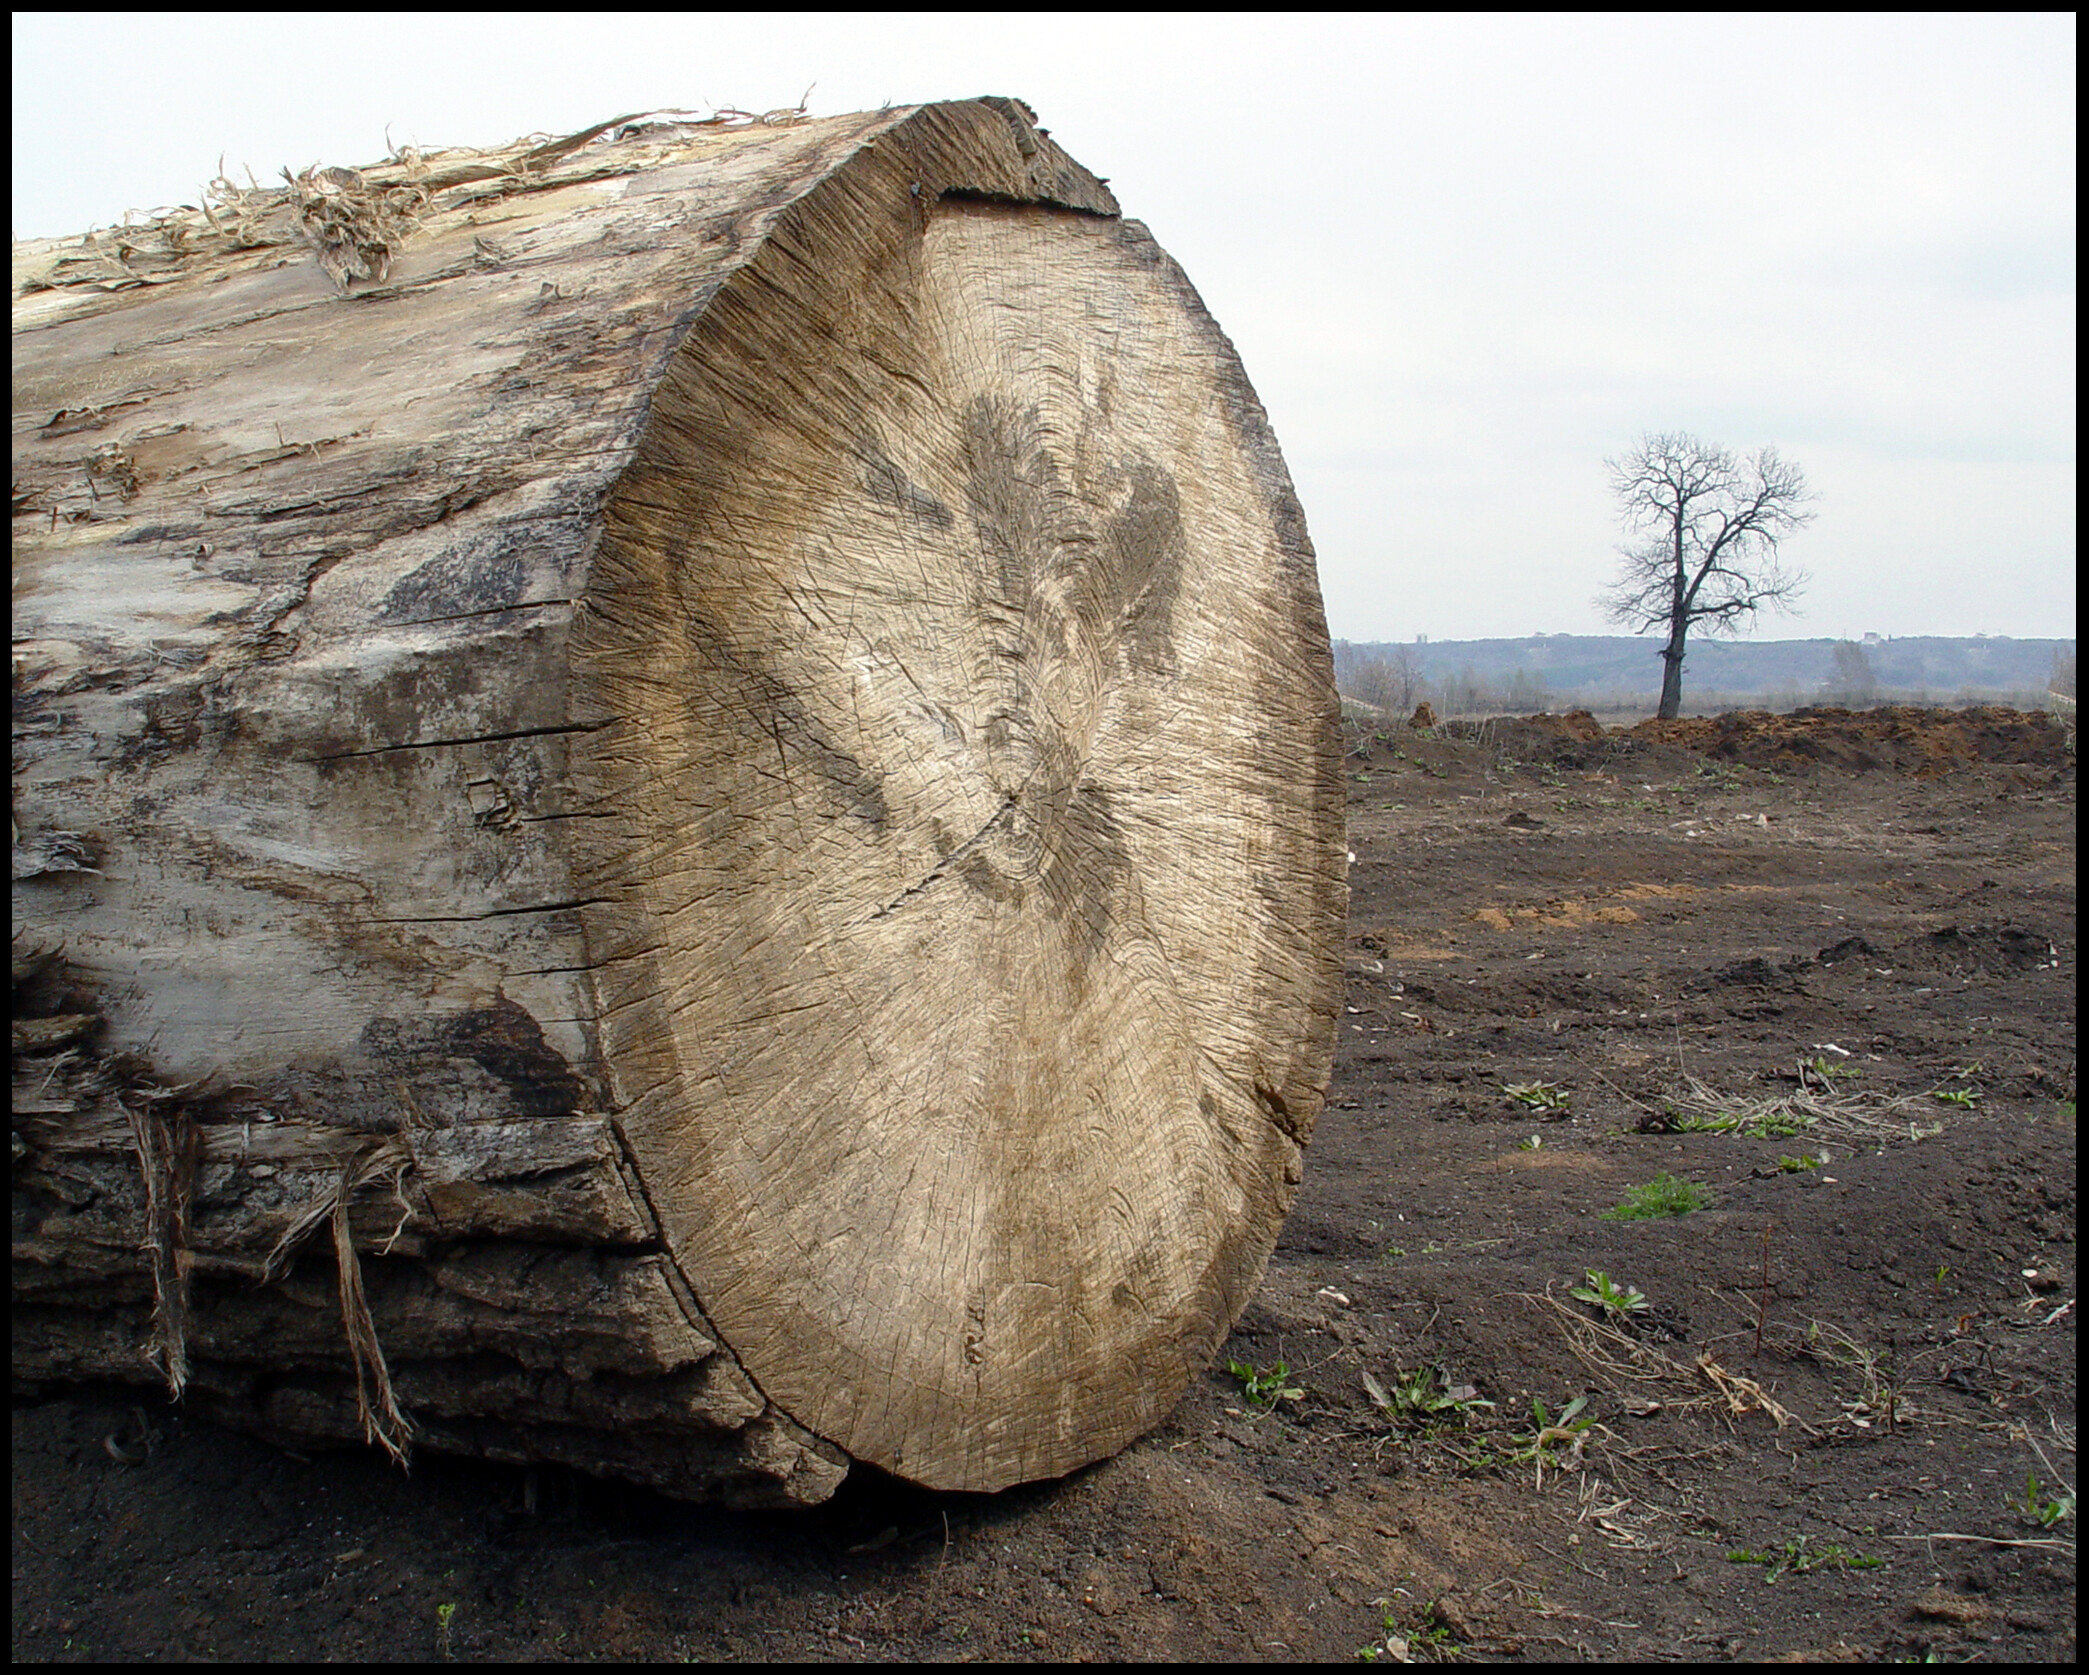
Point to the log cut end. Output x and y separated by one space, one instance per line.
903 756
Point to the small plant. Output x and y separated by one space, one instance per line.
1879 1393
1421 1398
2043 1509
443 1613
1531 1143
1537 1096
1265 1389
1664 1195
1539 1447
1800 1164
1430 1641
1800 1557
1965 1099
1829 1071
1618 1302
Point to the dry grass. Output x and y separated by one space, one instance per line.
1625 1361
1819 1108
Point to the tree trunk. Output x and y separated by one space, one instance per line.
1672 674
677 808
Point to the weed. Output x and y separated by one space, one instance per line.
1829 1071
1800 1557
2043 1509
1539 1447
1664 1195
1881 1383
1756 1125
1534 1143
443 1613
1800 1164
1618 1302
1537 1096
1429 1641
1964 1098
2066 1110
1422 1398
1265 1389
1476 1458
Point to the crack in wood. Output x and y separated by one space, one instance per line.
477 738
942 867
493 913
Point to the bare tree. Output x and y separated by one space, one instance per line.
1853 681
1393 684
1702 530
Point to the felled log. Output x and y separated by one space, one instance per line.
676 807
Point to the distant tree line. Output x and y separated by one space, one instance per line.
1479 677
1393 682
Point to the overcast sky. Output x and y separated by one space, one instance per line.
1464 258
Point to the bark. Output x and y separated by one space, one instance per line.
676 808
1672 674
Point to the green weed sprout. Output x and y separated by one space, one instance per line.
2043 1509
1619 1302
1537 1096
1536 1447
1265 1389
1829 1071
1421 1398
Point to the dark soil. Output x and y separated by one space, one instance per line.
1813 1442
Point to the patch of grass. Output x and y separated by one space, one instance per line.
1264 1389
1664 1195
1618 1302
1537 1096
1800 1164
1799 1557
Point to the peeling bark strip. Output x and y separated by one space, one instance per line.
713 745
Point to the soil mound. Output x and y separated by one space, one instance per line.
1897 738
1901 738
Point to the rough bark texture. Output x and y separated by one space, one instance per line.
681 788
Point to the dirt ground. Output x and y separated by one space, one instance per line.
1820 968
